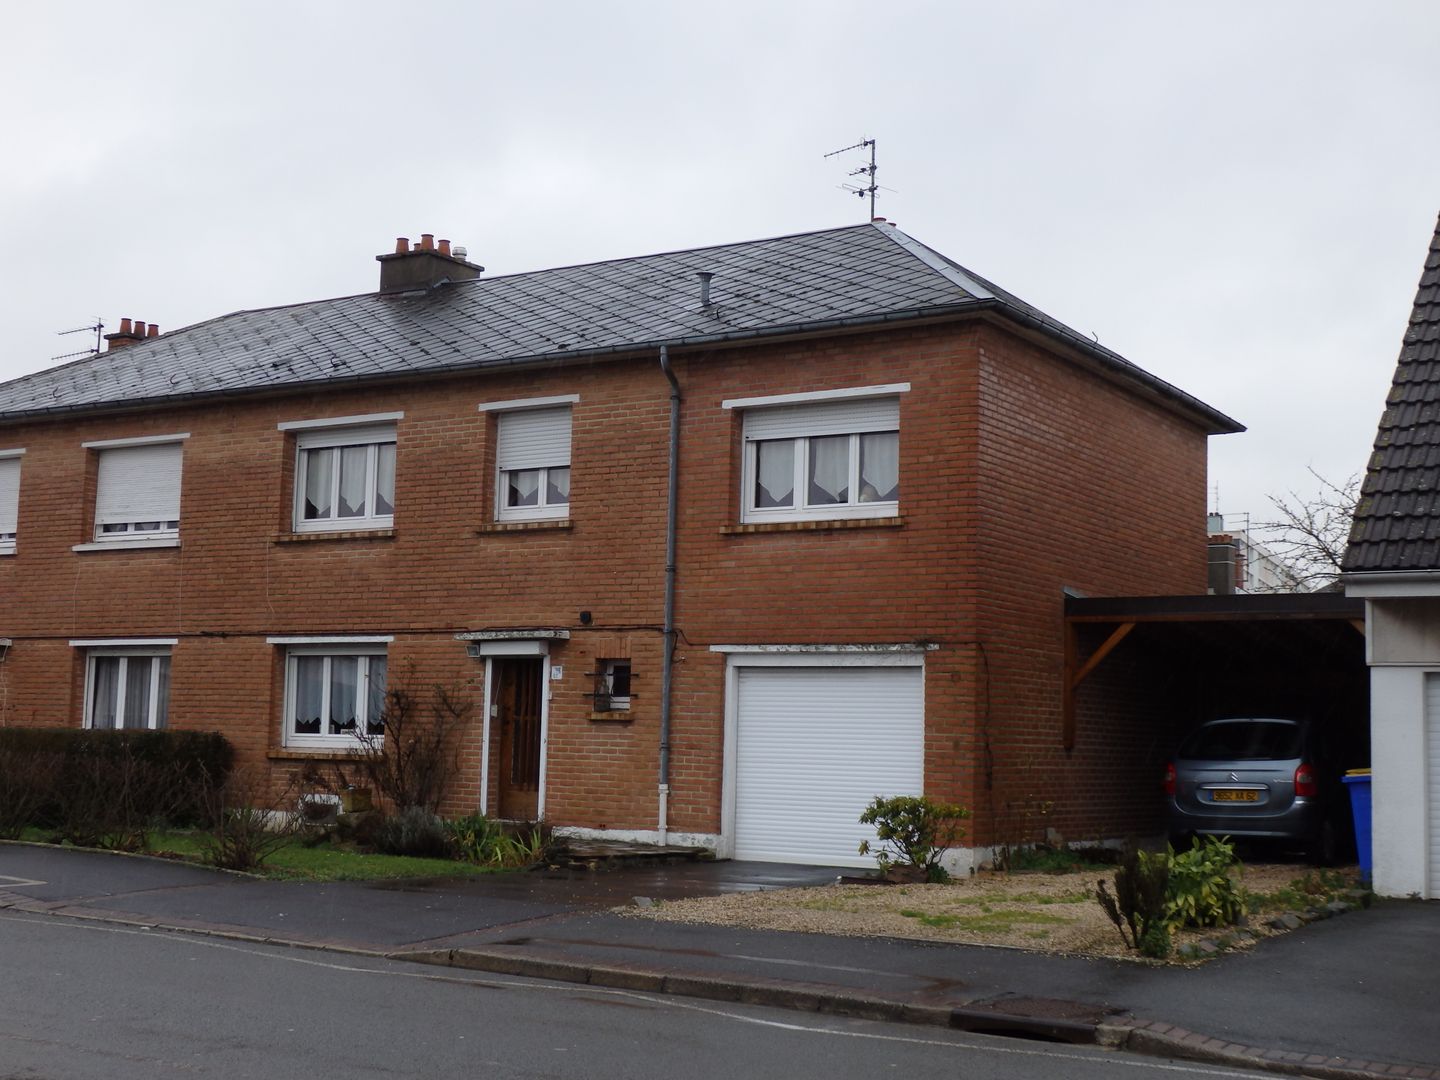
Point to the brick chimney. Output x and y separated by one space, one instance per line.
427 264
131 334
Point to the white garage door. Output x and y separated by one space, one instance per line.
1432 781
813 746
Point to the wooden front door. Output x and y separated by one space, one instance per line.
518 684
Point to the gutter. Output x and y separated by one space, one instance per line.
667 668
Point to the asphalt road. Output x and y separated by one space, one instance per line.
81 1001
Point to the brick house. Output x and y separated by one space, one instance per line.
890 473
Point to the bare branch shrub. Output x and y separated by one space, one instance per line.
415 758
247 822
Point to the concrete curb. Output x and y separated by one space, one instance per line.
1133 1035
1157 1039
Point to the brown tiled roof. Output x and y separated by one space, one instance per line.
1397 522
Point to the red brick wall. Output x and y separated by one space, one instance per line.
1020 475
1080 489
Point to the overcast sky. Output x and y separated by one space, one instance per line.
1237 196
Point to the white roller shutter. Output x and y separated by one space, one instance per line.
138 483
9 494
813 746
1432 782
533 439
825 418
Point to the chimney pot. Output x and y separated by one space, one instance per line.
139 327
445 248
125 327
154 330
427 241
402 245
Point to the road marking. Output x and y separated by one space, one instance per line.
18 882
277 952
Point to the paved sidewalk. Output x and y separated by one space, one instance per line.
1351 996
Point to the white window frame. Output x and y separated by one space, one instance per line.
808 416
9 538
312 436
127 534
543 510
154 721
365 649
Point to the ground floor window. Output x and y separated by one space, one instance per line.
334 696
127 688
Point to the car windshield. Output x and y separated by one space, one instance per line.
1247 740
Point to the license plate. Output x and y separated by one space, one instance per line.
1235 795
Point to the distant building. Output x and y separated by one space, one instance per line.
1241 564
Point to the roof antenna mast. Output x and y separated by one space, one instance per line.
867 171
96 328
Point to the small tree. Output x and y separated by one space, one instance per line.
1310 533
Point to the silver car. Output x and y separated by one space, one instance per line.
1254 778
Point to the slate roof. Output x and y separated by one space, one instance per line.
1397 522
863 274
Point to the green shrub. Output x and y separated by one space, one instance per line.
414 831
1203 889
479 840
1141 884
913 831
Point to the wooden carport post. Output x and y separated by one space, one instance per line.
1074 678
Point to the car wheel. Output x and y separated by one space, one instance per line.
1324 849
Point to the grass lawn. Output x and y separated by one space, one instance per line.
324 863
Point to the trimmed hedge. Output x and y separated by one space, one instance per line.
107 788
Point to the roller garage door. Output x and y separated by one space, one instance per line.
813 746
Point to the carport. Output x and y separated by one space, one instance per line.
1185 659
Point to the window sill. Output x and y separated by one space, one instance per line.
128 545
297 753
614 716
821 525
351 534
523 526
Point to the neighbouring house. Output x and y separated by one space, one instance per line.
889 475
1242 563
1393 562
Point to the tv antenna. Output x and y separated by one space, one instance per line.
867 171
97 329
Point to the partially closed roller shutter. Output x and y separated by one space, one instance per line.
813 746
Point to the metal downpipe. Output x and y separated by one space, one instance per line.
667 668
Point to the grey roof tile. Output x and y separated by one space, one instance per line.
1397 522
852 276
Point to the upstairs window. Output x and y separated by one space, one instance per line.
532 455
137 491
822 460
9 499
127 688
345 478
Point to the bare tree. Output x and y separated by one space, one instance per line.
1310 532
